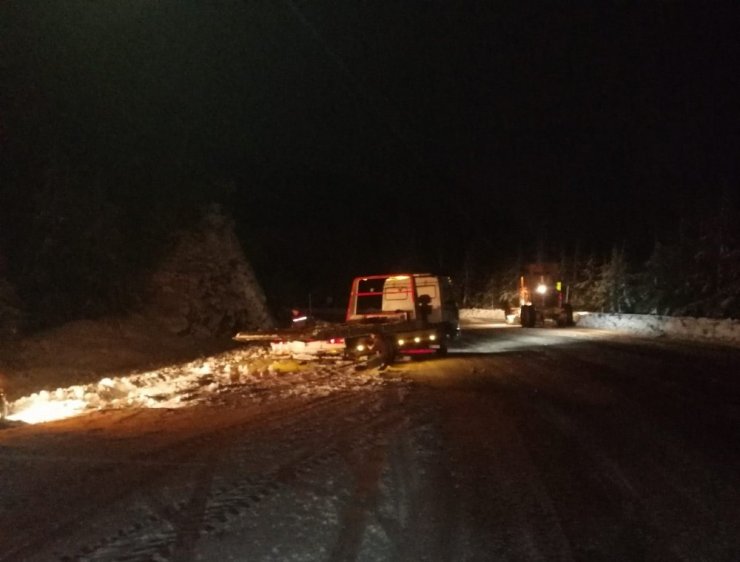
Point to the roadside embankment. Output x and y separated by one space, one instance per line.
707 329
699 329
483 314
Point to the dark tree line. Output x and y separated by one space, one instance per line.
338 154
105 149
693 272
120 122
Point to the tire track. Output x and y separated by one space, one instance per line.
140 471
626 454
226 498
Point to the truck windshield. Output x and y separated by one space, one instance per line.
385 294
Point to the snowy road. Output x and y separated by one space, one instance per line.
521 445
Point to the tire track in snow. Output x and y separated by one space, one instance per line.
140 471
230 498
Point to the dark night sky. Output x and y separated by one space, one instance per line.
429 130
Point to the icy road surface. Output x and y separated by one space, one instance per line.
521 445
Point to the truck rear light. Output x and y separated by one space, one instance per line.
336 340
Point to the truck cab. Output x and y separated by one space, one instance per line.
409 314
418 297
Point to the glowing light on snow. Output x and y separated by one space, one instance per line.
176 386
41 410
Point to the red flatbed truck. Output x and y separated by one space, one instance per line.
387 316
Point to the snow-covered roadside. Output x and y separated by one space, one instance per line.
256 372
725 331
489 314
483 317
707 329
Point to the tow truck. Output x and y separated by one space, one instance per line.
387 316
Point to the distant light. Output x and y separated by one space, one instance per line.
417 339
360 347
432 337
401 341
541 288
300 319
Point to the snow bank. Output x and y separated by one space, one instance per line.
708 329
492 314
299 370
726 331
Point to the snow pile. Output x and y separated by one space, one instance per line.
306 350
488 314
727 331
253 372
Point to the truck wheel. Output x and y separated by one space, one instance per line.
451 330
384 349
442 349
528 316
568 309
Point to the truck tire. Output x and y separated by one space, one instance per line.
568 310
565 316
442 349
449 330
528 316
384 349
